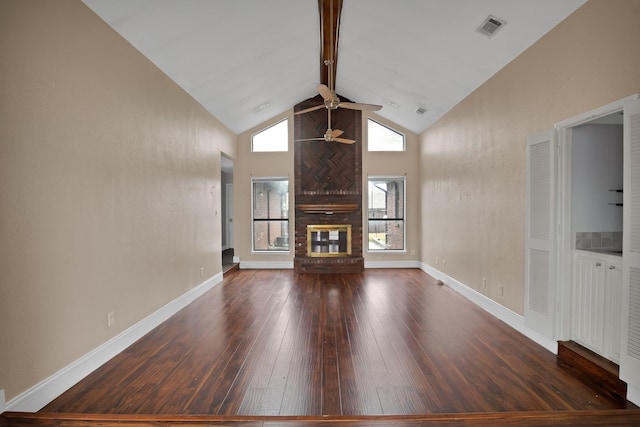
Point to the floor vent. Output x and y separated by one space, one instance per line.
491 25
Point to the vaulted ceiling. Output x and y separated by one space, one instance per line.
246 61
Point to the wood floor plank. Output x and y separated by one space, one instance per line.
303 388
273 342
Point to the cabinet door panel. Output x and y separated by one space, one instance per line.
588 302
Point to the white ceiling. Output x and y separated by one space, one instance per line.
249 60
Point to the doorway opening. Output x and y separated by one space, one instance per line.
226 180
596 231
590 192
607 276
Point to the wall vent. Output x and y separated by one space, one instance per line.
421 110
491 25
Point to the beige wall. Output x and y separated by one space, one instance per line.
472 161
109 188
394 164
248 165
282 164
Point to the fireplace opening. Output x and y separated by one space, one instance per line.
328 240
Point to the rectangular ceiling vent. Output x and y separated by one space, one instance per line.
491 25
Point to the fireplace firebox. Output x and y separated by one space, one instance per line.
328 240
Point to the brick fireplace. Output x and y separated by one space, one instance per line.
328 186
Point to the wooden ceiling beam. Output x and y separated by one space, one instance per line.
329 31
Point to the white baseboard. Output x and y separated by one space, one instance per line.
499 311
44 392
391 264
266 265
256 265
633 394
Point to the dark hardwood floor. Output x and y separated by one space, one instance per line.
392 342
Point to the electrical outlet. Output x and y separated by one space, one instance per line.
413 251
501 290
484 283
111 319
201 271
444 262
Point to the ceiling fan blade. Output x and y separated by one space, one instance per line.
325 92
344 140
358 106
306 110
310 139
336 133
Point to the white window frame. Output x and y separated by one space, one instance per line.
286 146
287 219
402 178
404 138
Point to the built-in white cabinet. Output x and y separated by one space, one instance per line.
597 303
613 309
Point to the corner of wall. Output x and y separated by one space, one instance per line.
2 401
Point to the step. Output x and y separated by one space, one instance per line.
592 368
590 418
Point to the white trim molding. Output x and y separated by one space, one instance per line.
266 265
287 265
2 401
633 395
392 264
35 398
499 311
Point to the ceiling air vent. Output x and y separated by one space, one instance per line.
421 110
490 26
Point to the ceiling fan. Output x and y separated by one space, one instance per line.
331 100
331 135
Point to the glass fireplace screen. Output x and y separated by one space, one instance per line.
328 240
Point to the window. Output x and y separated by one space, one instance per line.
274 138
382 138
386 213
270 203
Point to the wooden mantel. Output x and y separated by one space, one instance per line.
328 208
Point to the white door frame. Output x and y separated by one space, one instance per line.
229 215
564 246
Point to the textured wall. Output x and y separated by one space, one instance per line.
110 188
472 161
